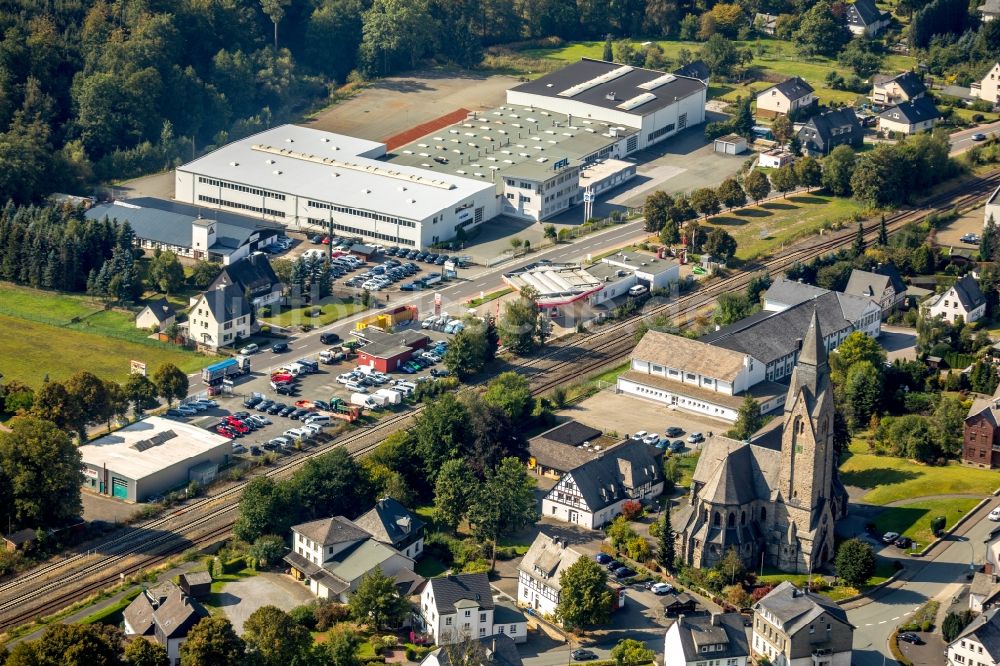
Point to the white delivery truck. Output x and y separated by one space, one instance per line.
362 400
394 397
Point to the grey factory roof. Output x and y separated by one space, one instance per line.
334 168
985 630
609 478
389 521
510 140
170 222
449 590
914 111
634 90
720 629
794 608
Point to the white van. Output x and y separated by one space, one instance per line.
637 290
402 383
296 433
318 419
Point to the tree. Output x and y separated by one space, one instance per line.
609 55
656 210
730 194
72 645
54 403
782 129
821 31
166 273
705 201
743 121
273 638
855 562
275 10
140 392
91 393
142 652
862 391
665 551
784 179
518 325
838 168
42 470
756 185
883 232
808 172
268 550
264 509
855 348
954 623
510 392
340 648
584 599
171 383
720 55
863 56
983 377
948 421
720 244
748 419
989 242
858 247
467 353
452 492
377 602
212 641
332 484
630 652
732 306
877 180
503 504
441 431
550 232
731 566
204 272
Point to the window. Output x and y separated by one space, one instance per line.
513 629
468 613
482 617
447 621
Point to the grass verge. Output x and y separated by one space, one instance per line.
331 309
884 570
112 615
500 293
914 519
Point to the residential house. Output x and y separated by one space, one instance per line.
695 70
164 614
157 314
538 573
560 449
592 494
883 285
675 604
981 433
796 628
835 127
775 158
219 317
989 11
963 299
984 591
460 607
988 89
695 640
393 524
979 642
891 90
766 23
908 118
865 19
496 650
992 208
255 278
332 555
784 98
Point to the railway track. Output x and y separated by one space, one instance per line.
48 588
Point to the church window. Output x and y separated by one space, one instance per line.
731 521
798 448
743 517
763 514
717 519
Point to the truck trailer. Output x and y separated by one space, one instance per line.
231 367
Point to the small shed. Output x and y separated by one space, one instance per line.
775 158
677 604
19 540
366 252
731 144
197 584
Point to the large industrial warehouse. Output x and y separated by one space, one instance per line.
531 159
151 457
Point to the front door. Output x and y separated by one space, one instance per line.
573 516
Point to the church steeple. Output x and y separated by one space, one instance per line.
813 350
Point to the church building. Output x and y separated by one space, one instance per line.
775 498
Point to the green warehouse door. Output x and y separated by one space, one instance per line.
119 488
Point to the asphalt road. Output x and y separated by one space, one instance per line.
962 141
941 577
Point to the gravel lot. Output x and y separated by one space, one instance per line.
241 598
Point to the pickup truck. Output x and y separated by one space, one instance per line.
231 367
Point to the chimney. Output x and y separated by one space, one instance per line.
798 344
715 619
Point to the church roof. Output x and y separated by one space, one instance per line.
735 472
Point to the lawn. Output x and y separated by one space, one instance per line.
758 230
500 293
610 376
429 567
889 479
686 464
112 614
884 569
332 307
914 519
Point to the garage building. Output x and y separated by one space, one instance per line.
151 457
384 351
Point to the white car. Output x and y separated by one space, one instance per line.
661 588
345 378
251 348
208 403
187 411
995 514
639 435
356 387
651 439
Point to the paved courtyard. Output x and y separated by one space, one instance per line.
624 414
241 598
970 222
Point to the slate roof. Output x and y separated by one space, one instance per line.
689 355
177 615
557 448
572 433
967 291
169 222
507 613
909 82
866 11
331 531
161 309
227 303
985 630
547 558
389 521
681 599
912 112
736 472
872 284
830 127
791 292
624 87
139 615
793 88
448 590
770 336
696 70
499 650
608 479
698 631
794 608
253 274
988 407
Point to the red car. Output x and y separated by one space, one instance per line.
225 432
237 425
282 378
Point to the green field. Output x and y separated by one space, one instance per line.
50 334
758 230
775 58
332 308
914 519
889 479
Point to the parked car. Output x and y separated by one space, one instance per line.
696 437
903 542
286 411
439 372
602 558
673 431
621 573
889 537
639 435
276 408
910 637
251 348
279 347
211 404
583 655
651 439
253 400
285 389
186 411
661 588
226 432
239 448
612 565
995 514
676 446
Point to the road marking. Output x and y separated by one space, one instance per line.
895 618
915 609
883 621
869 624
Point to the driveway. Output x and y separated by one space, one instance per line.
625 414
899 342
241 598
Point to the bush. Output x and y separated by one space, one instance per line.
411 654
632 510
938 524
304 615
329 613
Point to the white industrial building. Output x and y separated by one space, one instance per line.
303 177
151 457
653 105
